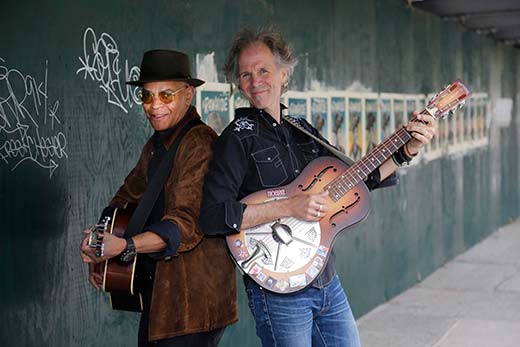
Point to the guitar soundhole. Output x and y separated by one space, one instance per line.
344 209
317 178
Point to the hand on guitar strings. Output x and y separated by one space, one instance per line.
112 246
309 207
422 131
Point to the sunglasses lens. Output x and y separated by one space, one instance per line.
166 96
146 97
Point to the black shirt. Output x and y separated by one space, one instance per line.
166 230
253 153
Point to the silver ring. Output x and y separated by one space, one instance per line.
321 206
318 214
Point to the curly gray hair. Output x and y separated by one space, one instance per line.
273 39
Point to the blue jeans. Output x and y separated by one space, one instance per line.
311 317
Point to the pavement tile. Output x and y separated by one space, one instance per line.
499 248
387 321
468 276
432 302
495 306
386 339
473 300
481 333
511 285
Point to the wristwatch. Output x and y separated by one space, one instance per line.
128 255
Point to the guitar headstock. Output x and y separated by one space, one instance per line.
95 240
448 99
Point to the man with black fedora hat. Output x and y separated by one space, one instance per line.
180 269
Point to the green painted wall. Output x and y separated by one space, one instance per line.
440 208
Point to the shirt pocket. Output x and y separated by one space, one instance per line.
269 166
309 150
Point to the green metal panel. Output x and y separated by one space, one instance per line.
440 208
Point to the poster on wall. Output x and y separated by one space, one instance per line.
485 118
474 109
421 102
399 113
479 102
410 105
355 127
296 102
452 128
459 126
443 132
468 129
385 106
483 106
320 113
338 112
455 124
213 103
239 100
372 123
478 118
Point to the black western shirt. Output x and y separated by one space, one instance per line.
253 153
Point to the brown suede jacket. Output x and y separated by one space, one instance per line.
195 291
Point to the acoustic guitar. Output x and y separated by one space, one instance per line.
286 255
118 278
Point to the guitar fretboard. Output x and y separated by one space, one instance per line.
372 160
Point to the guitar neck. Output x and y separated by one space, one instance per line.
366 165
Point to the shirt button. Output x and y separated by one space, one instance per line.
268 158
274 124
296 171
235 225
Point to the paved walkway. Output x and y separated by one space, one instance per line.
472 301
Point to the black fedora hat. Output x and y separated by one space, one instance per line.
165 65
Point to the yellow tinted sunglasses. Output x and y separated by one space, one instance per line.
166 96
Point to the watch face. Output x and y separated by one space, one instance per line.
129 253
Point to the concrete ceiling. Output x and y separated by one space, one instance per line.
497 18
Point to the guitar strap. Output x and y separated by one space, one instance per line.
143 209
331 148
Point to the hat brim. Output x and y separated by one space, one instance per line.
195 82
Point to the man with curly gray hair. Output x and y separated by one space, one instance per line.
273 40
260 150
